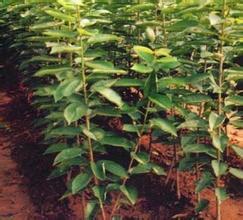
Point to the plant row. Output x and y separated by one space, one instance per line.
107 72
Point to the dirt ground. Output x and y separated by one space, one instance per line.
15 202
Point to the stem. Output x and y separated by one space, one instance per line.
220 100
114 208
87 118
87 122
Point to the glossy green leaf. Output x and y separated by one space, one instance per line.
162 101
236 172
234 100
238 150
103 38
215 120
158 170
67 154
90 210
141 7
99 192
97 170
80 182
140 68
221 194
55 148
112 96
52 71
115 168
59 15
144 53
75 111
200 148
205 181
141 157
140 169
164 125
130 192
219 168
117 142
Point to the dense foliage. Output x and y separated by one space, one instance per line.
106 72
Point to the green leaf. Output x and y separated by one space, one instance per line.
214 19
112 96
150 33
234 100
45 25
234 74
60 48
66 131
99 192
67 154
88 133
162 52
141 157
144 53
131 128
103 38
193 123
60 33
115 168
220 142
117 141
161 100
75 111
52 71
80 182
104 67
130 192
90 210
158 170
238 150
141 7
200 148
167 63
59 15
98 170
221 194
196 98
236 172
140 168
219 168
140 68
215 120
99 64
54 148
57 172
182 25
164 125
202 204
107 111
205 181
67 88
150 86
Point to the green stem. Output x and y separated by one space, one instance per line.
87 118
136 148
220 100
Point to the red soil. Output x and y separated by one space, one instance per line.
15 203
